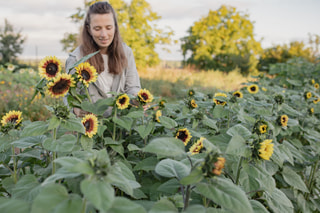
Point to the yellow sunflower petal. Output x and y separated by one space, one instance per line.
49 67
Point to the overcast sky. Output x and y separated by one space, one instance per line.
44 22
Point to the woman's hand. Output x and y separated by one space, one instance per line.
79 112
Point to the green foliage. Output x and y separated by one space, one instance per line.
11 43
222 40
138 164
138 28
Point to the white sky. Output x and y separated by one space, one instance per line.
44 22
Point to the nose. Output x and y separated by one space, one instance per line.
103 33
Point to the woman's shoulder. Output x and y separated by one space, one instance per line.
76 53
127 49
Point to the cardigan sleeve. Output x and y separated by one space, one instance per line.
132 81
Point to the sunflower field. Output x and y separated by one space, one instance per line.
255 149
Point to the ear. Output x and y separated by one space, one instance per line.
88 29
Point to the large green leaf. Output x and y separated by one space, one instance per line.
172 168
99 193
71 205
35 128
293 179
239 129
146 164
75 165
278 201
210 123
11 205
237 146
162 206
124 205
166 146
167 122
64 144
29 141
99 107
124 122
26 188
258 207
195 176
144 131
226 194
73 124
171 186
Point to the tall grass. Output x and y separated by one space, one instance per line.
173 82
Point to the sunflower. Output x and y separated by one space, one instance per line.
11 67
263 128
12 118
193 104
162 104
311 110
316 85
266 149
191 93
49 67
60 85
158 115
308 95
312 81
145 96
315 101
283 120
184 135
86 73
218 166
264 89
217 101
237 94
90 123
196 147
123 101
253 89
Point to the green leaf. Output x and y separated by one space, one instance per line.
171 186
162 206
99 193
8 205
86 142
71 205
75 165
195 209
238 129
124 122
124 205
35 128
293 179
50 196
278 201
53 123
144 131
83 59
27 188
210 123
237 146
226 194
29 141
147 164
133 147
172 168
194 177
31 153
99 107
166 146
167 122
73 124
135 114
258 207
64 144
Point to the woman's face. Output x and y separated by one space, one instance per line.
102 29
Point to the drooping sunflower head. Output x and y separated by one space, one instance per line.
145 96
90 123
123 101
264 89
237 94
218 102
316 100
316 85
162 104
60 85
184 135
283 120
193 104
266 149
261 127
191 93
307 95
158 114
12 119
312 81
49 67
197 147
218 166
86 73
253 89
311 110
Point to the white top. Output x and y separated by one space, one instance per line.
105 78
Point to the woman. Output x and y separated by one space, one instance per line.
114 63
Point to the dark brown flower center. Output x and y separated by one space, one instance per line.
88 125
61 86
237 94
52 69
145 96
85 75
183 135
253 89
122 100
13 120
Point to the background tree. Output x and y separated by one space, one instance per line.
282 53
137 24
11 43
222 40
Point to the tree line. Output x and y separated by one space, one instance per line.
222 40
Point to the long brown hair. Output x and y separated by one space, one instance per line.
117 60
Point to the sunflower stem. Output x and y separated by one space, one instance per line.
238 170
15 178
54 154
311 179
114 125
88 95
84 205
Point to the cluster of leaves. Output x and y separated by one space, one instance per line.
143 161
